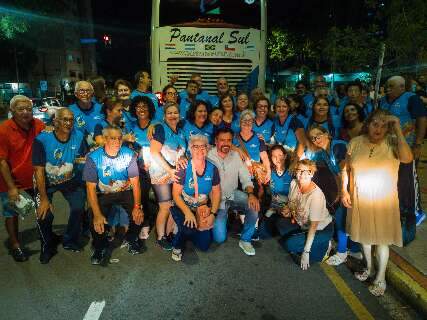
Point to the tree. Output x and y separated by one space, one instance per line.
280 47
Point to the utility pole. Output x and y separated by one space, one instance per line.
378 80
16 66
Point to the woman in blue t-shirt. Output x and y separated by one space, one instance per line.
197 121
197 196
329 156
226 103
263 125
143 110
241 105
288 129
166 147
321 117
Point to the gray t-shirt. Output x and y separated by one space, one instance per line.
311 205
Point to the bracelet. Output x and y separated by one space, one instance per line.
137 206
305 251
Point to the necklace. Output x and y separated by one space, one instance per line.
371 151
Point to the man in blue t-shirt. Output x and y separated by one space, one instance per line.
143 85
412 114
87 113
185 103
56 158
112 178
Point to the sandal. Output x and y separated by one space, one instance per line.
378 289
336 259
363 275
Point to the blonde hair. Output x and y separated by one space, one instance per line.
308 163
19 98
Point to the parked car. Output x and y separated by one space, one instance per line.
44 108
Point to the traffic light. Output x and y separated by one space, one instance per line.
107 40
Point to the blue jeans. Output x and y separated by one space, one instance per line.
75 195
294 238
342 237
240 203
201 239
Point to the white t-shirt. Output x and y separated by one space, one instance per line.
309 206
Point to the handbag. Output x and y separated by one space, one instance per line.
256 169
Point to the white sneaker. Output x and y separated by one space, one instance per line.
247 248
176 255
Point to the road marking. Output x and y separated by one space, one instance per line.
350 298
95 310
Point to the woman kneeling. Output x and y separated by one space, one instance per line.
306 225
197 196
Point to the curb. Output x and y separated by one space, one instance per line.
413 292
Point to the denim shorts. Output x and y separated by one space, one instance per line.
5 209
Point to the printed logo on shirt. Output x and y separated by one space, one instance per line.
253 145
191 183
80 121
107 171
208 178
57 154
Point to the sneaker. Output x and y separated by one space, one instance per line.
98 257
420 216
176 254
164 244
134 248
18 255
247 248
72 247
142 245
125 244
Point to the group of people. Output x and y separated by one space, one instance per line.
305 167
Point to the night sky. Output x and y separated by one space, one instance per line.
128 23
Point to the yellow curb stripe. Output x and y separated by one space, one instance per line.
350 298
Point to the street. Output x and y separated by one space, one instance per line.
220 284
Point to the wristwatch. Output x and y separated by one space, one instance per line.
137 206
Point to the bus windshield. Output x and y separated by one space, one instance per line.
211 13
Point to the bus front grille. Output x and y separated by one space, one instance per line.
237 72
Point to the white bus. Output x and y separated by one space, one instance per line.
214 38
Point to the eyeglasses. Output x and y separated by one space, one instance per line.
83 91
316 138
302 172
171 93
249 121
141 108
199 146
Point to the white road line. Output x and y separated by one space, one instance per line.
95 310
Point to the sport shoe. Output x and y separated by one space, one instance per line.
18 255
134 248
247 248
420 216
72 247
164 244
255 236
176 254
98 257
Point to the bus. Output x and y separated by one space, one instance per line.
214 38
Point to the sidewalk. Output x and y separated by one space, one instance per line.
407 270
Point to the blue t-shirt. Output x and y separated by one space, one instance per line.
331 159
191 129
111 174
280 184
58 157
265 129
284 133
184 106
329 125
205 182
202 95
235 123
254 145
86 120
141 144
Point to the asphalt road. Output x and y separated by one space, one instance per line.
220 284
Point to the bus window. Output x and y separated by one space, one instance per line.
239 13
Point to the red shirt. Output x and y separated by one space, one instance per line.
16 145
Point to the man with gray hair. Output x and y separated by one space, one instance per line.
222 89
112 178
57 158
87 112
16 171
412 114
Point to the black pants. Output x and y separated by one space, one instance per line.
106 201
